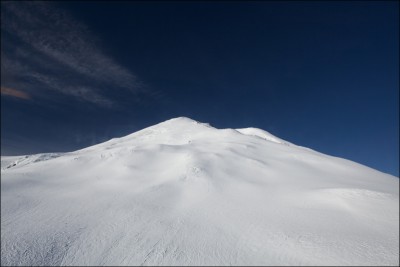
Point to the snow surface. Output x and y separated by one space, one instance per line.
184 193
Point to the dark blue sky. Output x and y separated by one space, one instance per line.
322 74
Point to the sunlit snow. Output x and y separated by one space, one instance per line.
184 193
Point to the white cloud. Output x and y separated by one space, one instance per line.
44 45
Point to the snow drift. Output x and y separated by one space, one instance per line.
184 193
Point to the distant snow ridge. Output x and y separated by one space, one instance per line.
185 193
262 134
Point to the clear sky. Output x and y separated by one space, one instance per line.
320 74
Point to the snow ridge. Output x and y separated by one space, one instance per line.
182 192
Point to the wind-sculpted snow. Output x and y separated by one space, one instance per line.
185 193
262 134
10 162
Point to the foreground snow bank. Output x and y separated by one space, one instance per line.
184 193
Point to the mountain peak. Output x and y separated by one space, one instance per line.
183 120
251 131
215 196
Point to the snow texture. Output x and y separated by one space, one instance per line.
184 193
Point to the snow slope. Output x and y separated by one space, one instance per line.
184 193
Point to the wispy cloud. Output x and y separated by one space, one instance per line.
44 48
14 93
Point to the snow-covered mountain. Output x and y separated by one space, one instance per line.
184 193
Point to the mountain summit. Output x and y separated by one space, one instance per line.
184 193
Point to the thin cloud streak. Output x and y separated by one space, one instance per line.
15 93
45 46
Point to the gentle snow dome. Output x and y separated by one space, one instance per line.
322 74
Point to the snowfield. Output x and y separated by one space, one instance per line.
184 193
